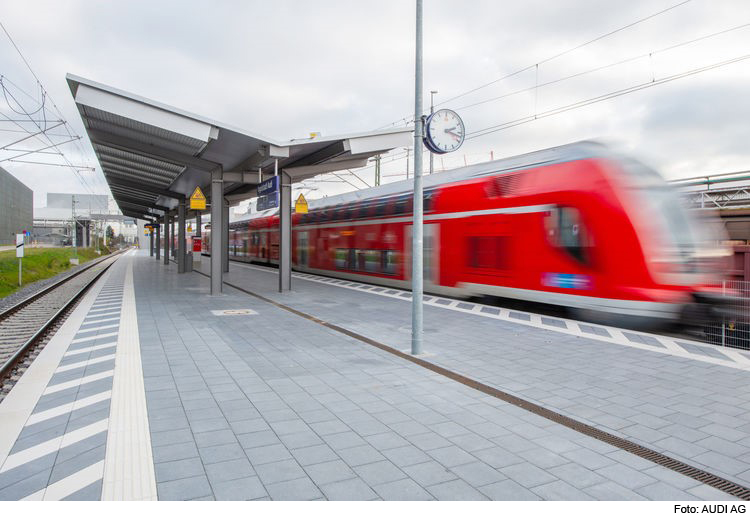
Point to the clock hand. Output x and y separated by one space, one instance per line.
450 129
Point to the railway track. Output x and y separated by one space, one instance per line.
25 328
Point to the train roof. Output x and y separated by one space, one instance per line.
563 153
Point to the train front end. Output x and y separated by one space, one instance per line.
682 250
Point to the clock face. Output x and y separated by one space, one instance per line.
444 131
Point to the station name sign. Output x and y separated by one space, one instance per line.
268 186
268 201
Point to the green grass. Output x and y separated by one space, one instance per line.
38 263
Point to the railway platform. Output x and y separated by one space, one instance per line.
153 389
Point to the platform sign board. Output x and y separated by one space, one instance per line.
19 244
300 206
269 186
19 254
268 201
197 199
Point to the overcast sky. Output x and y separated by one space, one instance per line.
287 68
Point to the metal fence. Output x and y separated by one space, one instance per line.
732 330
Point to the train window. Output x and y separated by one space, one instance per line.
427 200
388 262
565 229
339 258
489 252
380 207
401 204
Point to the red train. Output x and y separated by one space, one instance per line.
577 225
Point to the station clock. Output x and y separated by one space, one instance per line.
444 131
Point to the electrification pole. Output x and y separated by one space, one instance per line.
416 237
432 111
75 226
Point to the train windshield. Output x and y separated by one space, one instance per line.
683 235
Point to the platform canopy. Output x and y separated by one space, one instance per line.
154 155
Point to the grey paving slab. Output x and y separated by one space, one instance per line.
184 489
329 472
279 471
456 490
92 492
349 490
63 469
182 468
294 490
527 474
379 472
286 395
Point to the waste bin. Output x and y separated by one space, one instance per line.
189 262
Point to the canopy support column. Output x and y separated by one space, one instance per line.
167 243
217 234
151 243
181 237
225 231
285 232
158 241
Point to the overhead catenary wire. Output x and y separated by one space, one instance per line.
569 50
603 97
604 67
44 96
546 60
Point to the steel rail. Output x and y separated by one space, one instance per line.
49 288
11 362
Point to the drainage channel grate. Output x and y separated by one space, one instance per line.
703 476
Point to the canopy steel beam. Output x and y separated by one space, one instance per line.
146 149
144 187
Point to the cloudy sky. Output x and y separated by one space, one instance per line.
287 68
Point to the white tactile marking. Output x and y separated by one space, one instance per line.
90 348
107 312
735 358
97 321
97 337
67 408
103 327
53 445
77 365
77 382
107 302
112 307
75 482
129 465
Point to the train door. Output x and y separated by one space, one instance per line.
430 254
302 249
488 249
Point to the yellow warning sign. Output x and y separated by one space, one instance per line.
197 199
301 205
190 228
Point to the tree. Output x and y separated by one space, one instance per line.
110 233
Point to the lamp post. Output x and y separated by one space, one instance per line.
416 232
